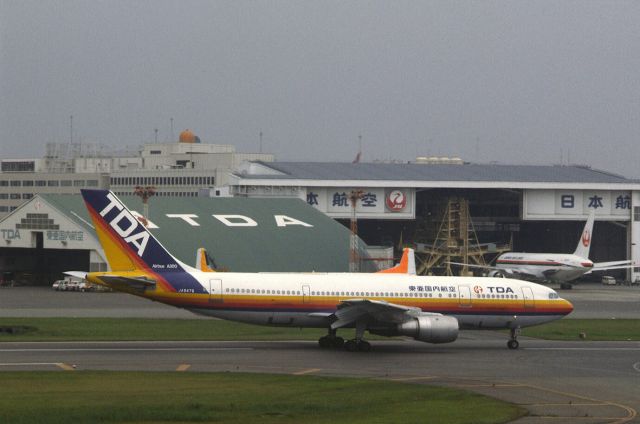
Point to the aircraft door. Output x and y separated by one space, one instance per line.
464 296
527 295
306 293
215 290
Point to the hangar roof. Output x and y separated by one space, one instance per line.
264 247
430 173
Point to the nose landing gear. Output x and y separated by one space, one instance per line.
513 341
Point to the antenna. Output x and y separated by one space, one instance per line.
260 141
155 130
173 140
71 129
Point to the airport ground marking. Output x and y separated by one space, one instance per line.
183 367
307 371
429 377
28 364
631 413
64 366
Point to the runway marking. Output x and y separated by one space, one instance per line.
636 366
130 349
608 349
489 385
307 371
183 367
28 364
64 366
414 378
631 413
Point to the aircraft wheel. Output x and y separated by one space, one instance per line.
337 342
324 342
364 346
513 344
351 345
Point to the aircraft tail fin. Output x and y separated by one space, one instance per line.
584 244
204 262
407 264
127 243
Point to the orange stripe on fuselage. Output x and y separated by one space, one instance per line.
325 303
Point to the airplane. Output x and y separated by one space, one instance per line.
429 309
551 267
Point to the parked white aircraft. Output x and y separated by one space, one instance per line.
552 267
429 309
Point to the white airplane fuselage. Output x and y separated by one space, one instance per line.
556 267
308 299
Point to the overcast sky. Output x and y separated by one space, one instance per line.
534 82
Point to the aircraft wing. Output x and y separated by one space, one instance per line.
601 266
350 311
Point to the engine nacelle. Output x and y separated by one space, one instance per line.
431 328
497 273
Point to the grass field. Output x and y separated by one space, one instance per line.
136 397
100 329
593 329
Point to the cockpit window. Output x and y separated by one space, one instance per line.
553 295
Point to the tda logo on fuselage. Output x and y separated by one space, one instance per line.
126 224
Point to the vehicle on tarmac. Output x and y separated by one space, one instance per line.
608 280
428 308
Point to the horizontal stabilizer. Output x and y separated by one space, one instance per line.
138 283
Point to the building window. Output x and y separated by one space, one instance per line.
27 183
41 183
4 208
636 213
92 183
4 183
65 183
27 195
16 183
4 195
78 183
53 183
18 166
156 152
15 196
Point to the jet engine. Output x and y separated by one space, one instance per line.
430 328
497 273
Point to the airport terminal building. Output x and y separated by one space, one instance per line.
261 227
530 208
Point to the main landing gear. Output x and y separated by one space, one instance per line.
353 345
513 342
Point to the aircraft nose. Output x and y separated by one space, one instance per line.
567 307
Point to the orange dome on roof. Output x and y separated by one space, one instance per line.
187 136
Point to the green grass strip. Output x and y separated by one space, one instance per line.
114 329
99 329
137 397
587 329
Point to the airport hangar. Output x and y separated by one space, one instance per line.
532 208
52 233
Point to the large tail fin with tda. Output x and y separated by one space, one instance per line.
127 243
